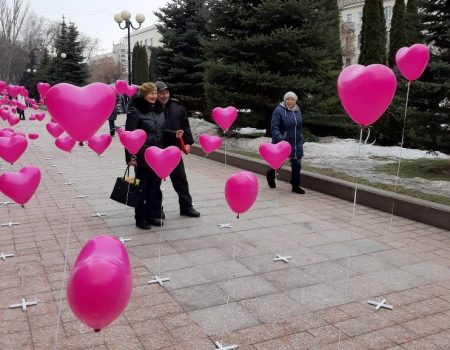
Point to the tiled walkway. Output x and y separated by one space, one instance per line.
317 301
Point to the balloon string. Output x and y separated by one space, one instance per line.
400 155
278 206
65 267
160 237
225 144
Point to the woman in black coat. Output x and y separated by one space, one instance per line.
146 113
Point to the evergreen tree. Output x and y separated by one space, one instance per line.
397 34
153 67
135 64
412 24
258 50
373 33
42 69
180 63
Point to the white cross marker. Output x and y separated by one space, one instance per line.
61 172
381 304
98 215
10 224
163 189
227 225
70 183
48 158
82 196
6 203
53 165
3 256
282 258
23 304
221 347
124 240
159 280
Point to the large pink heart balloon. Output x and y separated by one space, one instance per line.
20 186
121 86
412 61
13 90
275 154
241 190
13 119
162 161
65 143
12 148
131 90
99 143
132 140
99 286
80 111
366 92
224 117
54 129
43 89
209 143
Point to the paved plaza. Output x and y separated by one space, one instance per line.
224 285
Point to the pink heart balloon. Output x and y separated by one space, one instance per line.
20 186
54 129
131 90
241 190
120 131
99 143
13 119
275 154
65 143
42 102
32 117
12 148
121 86
43 89
209 143
21 106
80 111
13 90
14 109
132 140
2 85
366 92
100 283
4 114
162 161
224 117
34 106
6 133
412 61
40 116
33 136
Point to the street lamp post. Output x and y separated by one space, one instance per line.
125 15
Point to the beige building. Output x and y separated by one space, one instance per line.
351 21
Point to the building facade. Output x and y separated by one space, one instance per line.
351 22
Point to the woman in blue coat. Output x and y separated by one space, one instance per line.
287 125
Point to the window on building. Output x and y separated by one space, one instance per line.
388 13
349 17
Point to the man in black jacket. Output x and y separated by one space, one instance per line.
177 119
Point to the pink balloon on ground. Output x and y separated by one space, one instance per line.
100 283
34 106
209 143
132 140
412 61
99 143
43 89
13 119
54 129
131 90
65 143
121 86
224 117
80 111
20 186
366 92
241 190
32 117
162 161
40 116
33 135
275 154
12 148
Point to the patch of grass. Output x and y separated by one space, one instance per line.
330 172
429 169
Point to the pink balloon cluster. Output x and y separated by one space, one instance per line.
99 286
123 88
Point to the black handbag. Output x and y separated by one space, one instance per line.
125 190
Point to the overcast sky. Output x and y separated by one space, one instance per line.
94 18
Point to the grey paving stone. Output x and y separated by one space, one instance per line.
291 278
273 307
396 257
199 297
428 271
222 270
151 250
205 256
166 263
183 278
368 245
328 271
336 250
341 235
247 287
223 319
364 264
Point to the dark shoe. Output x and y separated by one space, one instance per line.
156 222
298 189
190 212
271 181
143 224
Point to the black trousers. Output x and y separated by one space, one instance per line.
181 186
112 127
149 199
21 114
296 166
